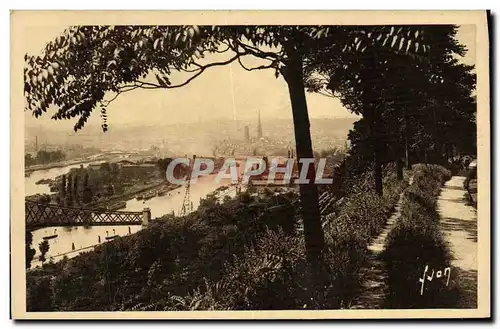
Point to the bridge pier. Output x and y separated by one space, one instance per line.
146 216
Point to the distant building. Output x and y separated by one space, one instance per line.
247 134
259 128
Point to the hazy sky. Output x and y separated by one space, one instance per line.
220 92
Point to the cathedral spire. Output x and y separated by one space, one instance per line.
259 128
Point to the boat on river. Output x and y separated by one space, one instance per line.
53 236
148 195
111 237
50 237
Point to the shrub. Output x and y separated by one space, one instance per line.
416 242
358 219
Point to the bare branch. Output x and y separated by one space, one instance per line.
196 64
223 51
149 85
261 67
123 89
327 93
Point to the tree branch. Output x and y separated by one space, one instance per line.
257 52
223 51
261 67
149 85
122 90
200 70
326 94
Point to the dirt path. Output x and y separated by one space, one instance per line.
459 227
373 276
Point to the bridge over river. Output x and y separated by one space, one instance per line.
39 215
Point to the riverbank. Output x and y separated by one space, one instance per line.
67 163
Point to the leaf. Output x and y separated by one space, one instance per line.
401 44
394 39
111 64
156 43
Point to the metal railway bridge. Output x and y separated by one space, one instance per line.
40 215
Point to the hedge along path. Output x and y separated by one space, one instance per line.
373 276
459 227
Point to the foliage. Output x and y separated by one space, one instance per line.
416 242
106 180
44 248
180 170
30 252
86 191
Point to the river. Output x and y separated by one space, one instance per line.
83 239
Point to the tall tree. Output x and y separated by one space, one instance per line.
76 192
28 160
30 252
62 190
69 191
44 248
87 191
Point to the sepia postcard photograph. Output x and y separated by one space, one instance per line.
250 165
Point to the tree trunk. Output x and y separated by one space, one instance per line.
399 168
313 231
377 170
372 114
407 138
